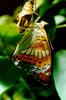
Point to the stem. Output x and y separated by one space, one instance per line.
61 26
23 81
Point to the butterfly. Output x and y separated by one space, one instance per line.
34 49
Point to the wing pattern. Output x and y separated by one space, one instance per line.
38 54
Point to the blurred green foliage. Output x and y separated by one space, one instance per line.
59 73
14 83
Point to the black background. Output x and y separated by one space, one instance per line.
8 6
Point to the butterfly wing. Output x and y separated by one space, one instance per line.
34 49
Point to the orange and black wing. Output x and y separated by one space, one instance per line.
38 54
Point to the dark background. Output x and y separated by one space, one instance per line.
8 6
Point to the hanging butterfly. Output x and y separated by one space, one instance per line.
34 50
26 16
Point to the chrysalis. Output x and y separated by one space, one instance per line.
25 16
